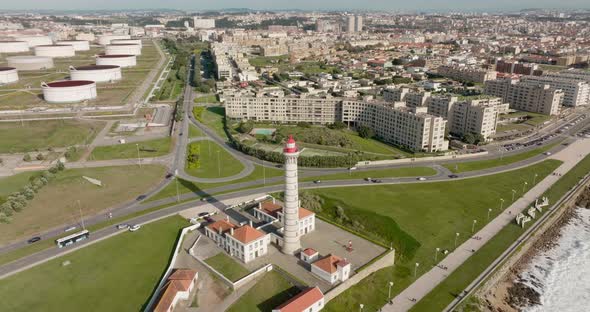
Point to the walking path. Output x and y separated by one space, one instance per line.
423 285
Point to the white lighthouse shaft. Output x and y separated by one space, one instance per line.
291 242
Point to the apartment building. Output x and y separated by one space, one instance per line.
576 92
395 94
471 74
478 116
417 99
244 242
395 123
530 97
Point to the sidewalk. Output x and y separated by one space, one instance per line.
423 285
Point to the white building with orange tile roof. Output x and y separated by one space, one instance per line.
309 300
271 210
178 287
332 269
245 242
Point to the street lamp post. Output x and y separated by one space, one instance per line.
456 236
524 187
138 158
489 211
501 204
263 173
535 178
218 164
361 306
390 285
513 193
416 268
176 179
473 226
436 254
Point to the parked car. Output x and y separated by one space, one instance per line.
34 239
141 197
209 219
421 179
203 214
134 228
122 226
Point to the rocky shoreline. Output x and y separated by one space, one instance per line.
510 293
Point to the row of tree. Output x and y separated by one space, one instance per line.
192 156
17 201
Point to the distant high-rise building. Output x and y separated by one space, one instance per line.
358 23
350 24
354 23
203 23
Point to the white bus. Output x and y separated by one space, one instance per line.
71 239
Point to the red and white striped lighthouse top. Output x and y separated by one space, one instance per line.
290 146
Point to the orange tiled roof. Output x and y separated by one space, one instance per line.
247 234
328 263
183 274
304 213
221 224
310 251
271 208
302 301
179 280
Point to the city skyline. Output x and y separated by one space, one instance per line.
375 5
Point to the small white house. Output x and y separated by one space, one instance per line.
178 287
332 269
309 255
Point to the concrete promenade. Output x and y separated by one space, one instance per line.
428 281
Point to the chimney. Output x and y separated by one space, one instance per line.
231 231
260 205
227 218
219 231
250 222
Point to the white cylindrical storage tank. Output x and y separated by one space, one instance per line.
127 41
8 75
85 36
63 50
68 91
133 49
106 39
29 62
96 73
34 41
123 60
79 45
13 46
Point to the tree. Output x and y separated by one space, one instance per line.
245 127
365 132
60 166
469 138
338 125
39 156
304 124
27 157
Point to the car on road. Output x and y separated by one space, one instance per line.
34 239
134 228
421 179
141 197
453 176
71 228
376 181
180 134
547 153
122 226
169 176
368 179
317 181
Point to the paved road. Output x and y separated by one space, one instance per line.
570 156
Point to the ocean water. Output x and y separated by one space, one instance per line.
562 274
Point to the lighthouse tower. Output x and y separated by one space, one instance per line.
291 242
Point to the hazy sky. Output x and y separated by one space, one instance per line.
298 4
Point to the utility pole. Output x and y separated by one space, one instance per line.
138 158
218 164
81 217
263 173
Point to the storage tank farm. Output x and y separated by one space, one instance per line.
122 60
13 46
55 50
30 62
68 91
96 73
34 41
79 45
123 48
106 39
127 41
8 75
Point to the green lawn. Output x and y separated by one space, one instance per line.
418 218
227 266
194 132
14 183
40 135
118 274
213 117
215 162
151 148
445 292
207 99
383 173
57 203
185 186
496 162
268 293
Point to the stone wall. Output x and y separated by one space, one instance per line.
387 260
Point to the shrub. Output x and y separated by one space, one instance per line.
365 132
39 156
27 158
192 157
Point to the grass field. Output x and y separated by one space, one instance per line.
40 135
56 203
445 292
215 162
151 148
194 132
213 117
383 173
185 186
117 274
418 218
14 183
227 266
496 162
268 293
207 99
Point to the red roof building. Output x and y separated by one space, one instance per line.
178 287
309 300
